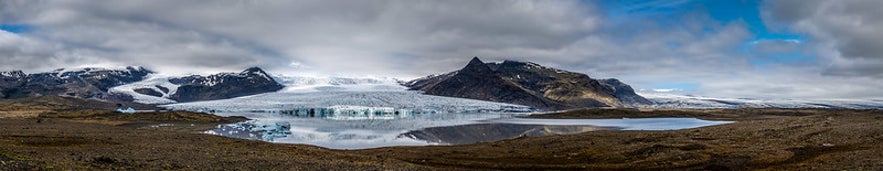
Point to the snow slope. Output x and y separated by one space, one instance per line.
683 101
151 82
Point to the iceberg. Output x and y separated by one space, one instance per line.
254 130
126 111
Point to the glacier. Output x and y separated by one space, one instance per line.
336 95
667 100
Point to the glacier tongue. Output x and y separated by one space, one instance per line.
328 95
412 101
360 95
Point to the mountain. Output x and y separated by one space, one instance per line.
162 90
225 85
88 83
478 81
529 84
134 84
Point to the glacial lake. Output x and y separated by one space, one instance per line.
372 131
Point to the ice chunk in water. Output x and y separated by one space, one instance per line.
283 127
254 130
126 111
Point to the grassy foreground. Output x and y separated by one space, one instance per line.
50 134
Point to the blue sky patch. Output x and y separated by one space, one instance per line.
15 28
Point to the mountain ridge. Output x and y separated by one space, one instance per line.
82 83
530 84
103 84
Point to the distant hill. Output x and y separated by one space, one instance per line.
529 84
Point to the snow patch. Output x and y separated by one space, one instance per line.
150 82
12 74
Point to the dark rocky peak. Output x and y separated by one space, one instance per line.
476 66
10 79
13 74
256 71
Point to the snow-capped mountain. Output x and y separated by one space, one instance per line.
76 82
662 100
160 89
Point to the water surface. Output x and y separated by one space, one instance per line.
359 132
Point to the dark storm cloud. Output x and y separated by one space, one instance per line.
847 33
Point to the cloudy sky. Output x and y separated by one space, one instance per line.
781 48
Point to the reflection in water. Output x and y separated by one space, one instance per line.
361 131
466 134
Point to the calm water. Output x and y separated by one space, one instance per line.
370 131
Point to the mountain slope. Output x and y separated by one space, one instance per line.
82 83
624 92
225 85
478 81
528 84
164 90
